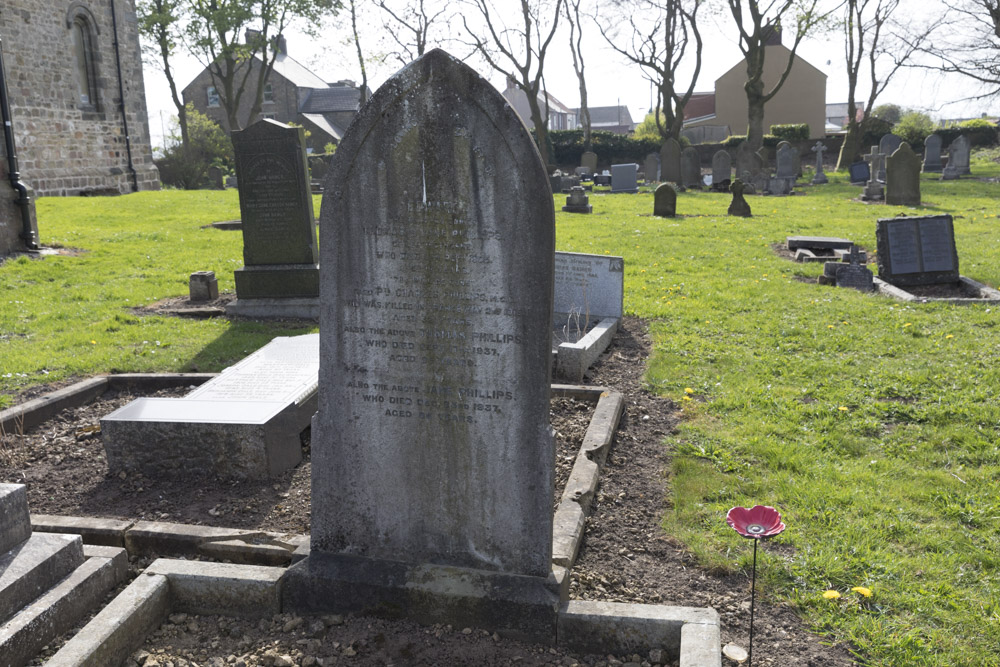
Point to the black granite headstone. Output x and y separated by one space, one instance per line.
860 172
917 251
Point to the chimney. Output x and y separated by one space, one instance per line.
511 84
770 34
251 35
280 45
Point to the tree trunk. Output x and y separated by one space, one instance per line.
852 147
541 128
755 114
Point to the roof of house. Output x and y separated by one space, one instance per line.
295 72
322 123
329 99
700 105
609 116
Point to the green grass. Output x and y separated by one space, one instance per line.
871 424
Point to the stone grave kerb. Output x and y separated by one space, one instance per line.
435 324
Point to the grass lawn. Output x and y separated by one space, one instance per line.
871 424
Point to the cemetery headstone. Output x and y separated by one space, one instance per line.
203 286
589 160
873 190
592 285
216 179
859 172
670 161
959 154
556 182
232 182
722 167
602 179
432 457
779 186
665 201
583 172
745 164
887 145
690 168
932 154
785 161
578 201
917 250
902 184
854 273
279 230
624 178
820 177
652 168
739 205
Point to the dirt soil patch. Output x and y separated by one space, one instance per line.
626 555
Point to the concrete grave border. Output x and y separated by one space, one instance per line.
250 585
988 295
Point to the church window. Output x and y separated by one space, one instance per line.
83 60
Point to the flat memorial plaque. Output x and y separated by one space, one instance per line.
286 369
937 243
904 248
589 285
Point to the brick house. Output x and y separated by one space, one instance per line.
292 93
65 81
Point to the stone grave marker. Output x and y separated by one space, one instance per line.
583 172
691 168
589 160
245 423
670 161
739 205
887 145
932 154
578 201
665 201
556 182
902 185
215 178
203 286
873 190
279 230
859 172
722 167
591 285
746 165
820 177
959 155
816 248
652 168
785 161
435 337
624 178
917 250
854 273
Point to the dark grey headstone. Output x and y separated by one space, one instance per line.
738 206
902 180
932 153
722 167
690 168
888 144
855 274
432 458
652 168
279 231
917 251
876 163
859 171
820 177
786 161
578 201
670 161
665 201
215 177
959 155
625 178
589 160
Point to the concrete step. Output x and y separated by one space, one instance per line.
62 607
15 525
33 567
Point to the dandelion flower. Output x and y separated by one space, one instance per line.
829 326
908 324
949 336
685 398
843 408
861 590
93 342
831 595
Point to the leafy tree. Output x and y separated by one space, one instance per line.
890 113
159 27
208 146
664 33
914 127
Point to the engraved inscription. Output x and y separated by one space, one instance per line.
937 245
903 248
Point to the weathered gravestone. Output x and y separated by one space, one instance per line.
589 160
873 189
722 167
556 182
859 172
652 168
691 168
820 177
959 155
739 205
932 154
279 231
747 162
902 177
625 178
917 251
854 273
887 145
216 179
670 161
665 201
203 286
785 160
432 456
578 201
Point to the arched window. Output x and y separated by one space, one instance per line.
82 29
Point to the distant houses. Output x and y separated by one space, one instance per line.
615 119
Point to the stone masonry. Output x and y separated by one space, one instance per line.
66 147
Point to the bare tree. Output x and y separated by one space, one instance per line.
363 88
576 49
968 43
755 30
874 45
409 26
519 53
662 32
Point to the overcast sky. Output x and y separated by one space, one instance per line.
610 80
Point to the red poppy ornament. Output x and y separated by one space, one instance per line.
758 522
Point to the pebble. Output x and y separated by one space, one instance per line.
292 624
283 661
734 652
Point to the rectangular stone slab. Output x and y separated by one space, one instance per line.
818 243
917 250
34 566
15 522
591 285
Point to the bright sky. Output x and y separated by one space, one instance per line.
610 79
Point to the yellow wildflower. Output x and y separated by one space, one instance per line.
949 336
908 324
861 590
688 390
843 408
831 595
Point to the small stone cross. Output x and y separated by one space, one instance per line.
854 256
820 177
